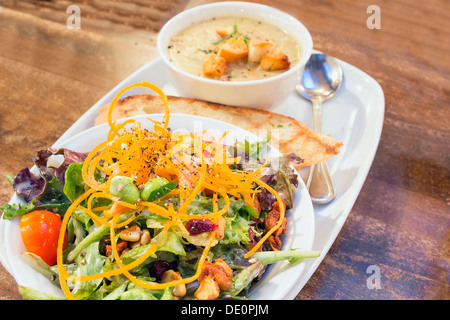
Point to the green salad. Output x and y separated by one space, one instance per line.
155 215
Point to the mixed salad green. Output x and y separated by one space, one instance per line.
58 183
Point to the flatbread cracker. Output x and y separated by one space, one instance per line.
287 134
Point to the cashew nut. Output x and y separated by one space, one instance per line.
179 290
131 234
208 289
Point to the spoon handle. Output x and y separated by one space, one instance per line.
319 184
317 115
319 181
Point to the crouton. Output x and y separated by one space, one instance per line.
225 32
274 60
257 49
233 49
213 65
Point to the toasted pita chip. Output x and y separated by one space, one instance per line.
287 134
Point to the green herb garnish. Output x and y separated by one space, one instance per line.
234 34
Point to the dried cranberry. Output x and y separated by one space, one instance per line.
158 268
196 226
188 247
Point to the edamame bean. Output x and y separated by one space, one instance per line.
156 188
188 140
124 188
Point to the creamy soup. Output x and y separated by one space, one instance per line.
187 49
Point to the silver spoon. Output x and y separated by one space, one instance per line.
320 80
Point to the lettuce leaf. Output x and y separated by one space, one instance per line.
29 185
11 211
33 294
52 199
74 185
15 210
90 263
169 241
47 190
70 156
292 256
244 278
236 230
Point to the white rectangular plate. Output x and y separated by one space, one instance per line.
354 117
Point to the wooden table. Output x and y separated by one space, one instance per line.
50 75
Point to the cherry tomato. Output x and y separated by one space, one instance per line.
40 232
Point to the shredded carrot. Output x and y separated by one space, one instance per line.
141 154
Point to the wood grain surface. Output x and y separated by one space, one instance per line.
50 75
